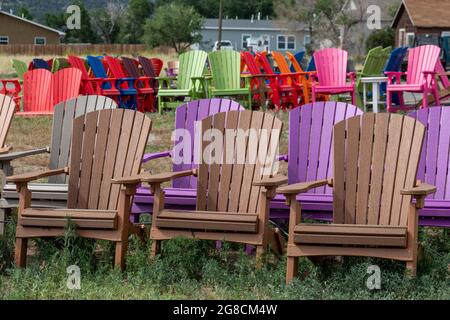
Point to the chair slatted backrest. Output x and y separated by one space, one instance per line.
250 63
186 117
60 63
264 63
435 160
281 62
422 58
442 74
39 63
395 59
157 65
37 91
20 67
310 141
296 60
99 70
66 84
115 67
147 67
372 63
375 157
7 108
131 67
106 144
77 62
331 65
228 187
63 116
192 64
225 69
311 65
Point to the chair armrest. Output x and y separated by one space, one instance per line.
20 154
155 155
283 157
167 176
5 149
429 72
301 187
27 177
275 181
422 189
130 180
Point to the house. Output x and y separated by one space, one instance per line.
420 22
271 35
18 30
363 13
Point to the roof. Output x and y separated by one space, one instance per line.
34 23
247 25
426 14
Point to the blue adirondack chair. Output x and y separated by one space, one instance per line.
299 57
311 65
394 63
40 64
127 93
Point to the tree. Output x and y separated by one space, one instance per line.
108 20
133 24
83 35
292 12
174 25
384 37
25 13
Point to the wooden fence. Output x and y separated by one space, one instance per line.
75 49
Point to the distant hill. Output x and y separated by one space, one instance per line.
38 8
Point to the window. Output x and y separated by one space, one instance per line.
281 43
286 42
39 40
401 37
266 42
410 37
4 40
245 38
291 43
306 39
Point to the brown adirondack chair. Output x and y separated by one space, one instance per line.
376 157
106 152
232 199
7 107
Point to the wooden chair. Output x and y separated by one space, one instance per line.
106 152
53 193
376 157
232 199
183 191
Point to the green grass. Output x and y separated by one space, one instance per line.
190 269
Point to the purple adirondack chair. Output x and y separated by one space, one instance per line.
434 165
420 77
309 156
331 66
183 191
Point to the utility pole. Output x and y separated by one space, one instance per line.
219 35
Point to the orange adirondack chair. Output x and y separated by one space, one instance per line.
300 82
284 94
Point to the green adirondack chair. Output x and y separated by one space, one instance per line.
188 83
60 63
20 67
373 67
225 80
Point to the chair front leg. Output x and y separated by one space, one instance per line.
158 206
267 194
295 217
22 242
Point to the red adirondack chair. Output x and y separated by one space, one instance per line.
331 66
89 86
284 93
420 77
42 89
157 65
258 80
144 85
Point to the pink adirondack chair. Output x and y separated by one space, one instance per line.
420 77
42 89
331 76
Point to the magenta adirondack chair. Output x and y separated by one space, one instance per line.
434 164
331 76
420 77
183 191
